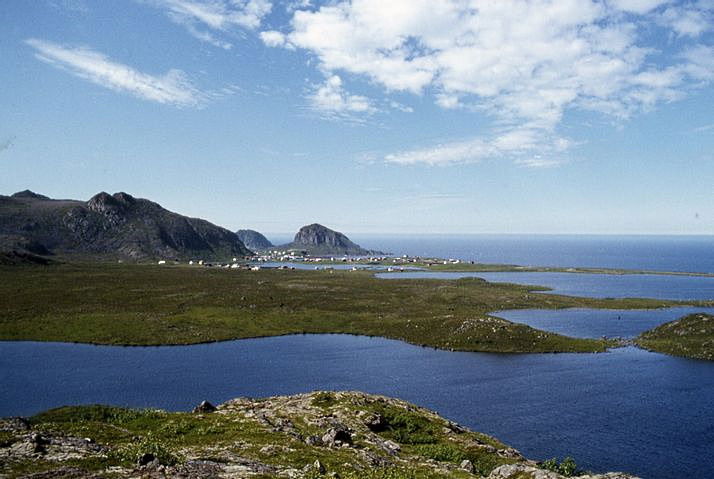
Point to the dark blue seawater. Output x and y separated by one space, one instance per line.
628 409
589 285
641 252
595 323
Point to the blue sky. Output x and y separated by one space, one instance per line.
409 116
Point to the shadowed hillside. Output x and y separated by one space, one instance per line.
110 226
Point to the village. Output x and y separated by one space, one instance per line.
294 258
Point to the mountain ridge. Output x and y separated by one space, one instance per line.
109 226
254 240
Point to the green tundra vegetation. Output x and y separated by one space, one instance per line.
150 304
349 435
691 336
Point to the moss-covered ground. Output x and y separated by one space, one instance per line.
150 304
691 336
382 438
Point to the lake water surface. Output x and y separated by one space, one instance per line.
628 409
595 323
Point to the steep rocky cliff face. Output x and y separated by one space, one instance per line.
253 240
318 239
347 435
111 226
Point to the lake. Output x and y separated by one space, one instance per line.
628 409
595 323
590 285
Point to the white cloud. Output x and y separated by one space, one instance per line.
332 100
401 107
688 20
172 88
704 128
637 6
220 16
448 102
525 63
70 6
700 62
292 5
273 38
526 146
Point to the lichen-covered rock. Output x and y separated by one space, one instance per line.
321 434
526 471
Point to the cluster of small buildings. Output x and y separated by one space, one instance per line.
235 264
276 256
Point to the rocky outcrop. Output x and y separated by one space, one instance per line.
330 434
253 240
204 407
109 226
320 240
526 471
29 194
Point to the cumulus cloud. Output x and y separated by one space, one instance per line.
218 16
524 63
274 38
688 19
172 88
331 99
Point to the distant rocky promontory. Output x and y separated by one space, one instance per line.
107 226
318 240
254 240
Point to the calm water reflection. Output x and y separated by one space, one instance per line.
625 410
595 323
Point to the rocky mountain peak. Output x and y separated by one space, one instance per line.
104 203
124 198
29 194
318 235
320 240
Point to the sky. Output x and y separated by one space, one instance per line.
369 116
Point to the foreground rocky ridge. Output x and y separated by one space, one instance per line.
106 226
321 434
